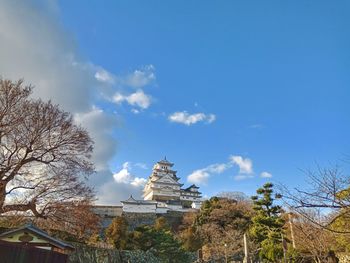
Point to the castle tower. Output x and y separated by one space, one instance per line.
163 184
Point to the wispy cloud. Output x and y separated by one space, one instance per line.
138 79
104 76
142 166
188 119
265 175
201 176
245 164
141 77
137 99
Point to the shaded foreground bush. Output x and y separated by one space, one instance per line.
86 254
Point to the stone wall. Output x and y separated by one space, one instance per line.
173 218
85 254
136 219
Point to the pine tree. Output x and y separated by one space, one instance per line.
161 243
267 226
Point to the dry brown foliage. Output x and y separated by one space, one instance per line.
44 159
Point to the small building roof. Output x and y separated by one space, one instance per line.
132 200
41 233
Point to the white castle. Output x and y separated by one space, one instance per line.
163 193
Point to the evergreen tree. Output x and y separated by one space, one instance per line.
160 242
267 224
117 233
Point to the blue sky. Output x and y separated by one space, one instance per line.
225 89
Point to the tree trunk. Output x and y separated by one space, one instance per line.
2 195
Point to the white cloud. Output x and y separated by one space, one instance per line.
245 167
184 117
218 168
122 185
104 76
136 99
141 77
239 177
35 47
124 176
135 80
139 182
265 175
245 164
111 192
201 176
100 126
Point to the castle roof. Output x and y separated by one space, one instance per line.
191 186
166 162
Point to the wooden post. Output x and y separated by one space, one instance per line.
291 229
246 255
284 246
200 255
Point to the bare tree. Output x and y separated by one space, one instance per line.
235 195
221 225
312 241
328 192
44 156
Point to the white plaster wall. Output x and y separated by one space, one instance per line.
196 205
162 210
135 208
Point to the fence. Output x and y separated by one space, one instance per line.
10 253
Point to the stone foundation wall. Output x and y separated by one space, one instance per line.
136 219
173 218
85 254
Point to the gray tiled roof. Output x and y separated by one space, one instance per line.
139 202
30 228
